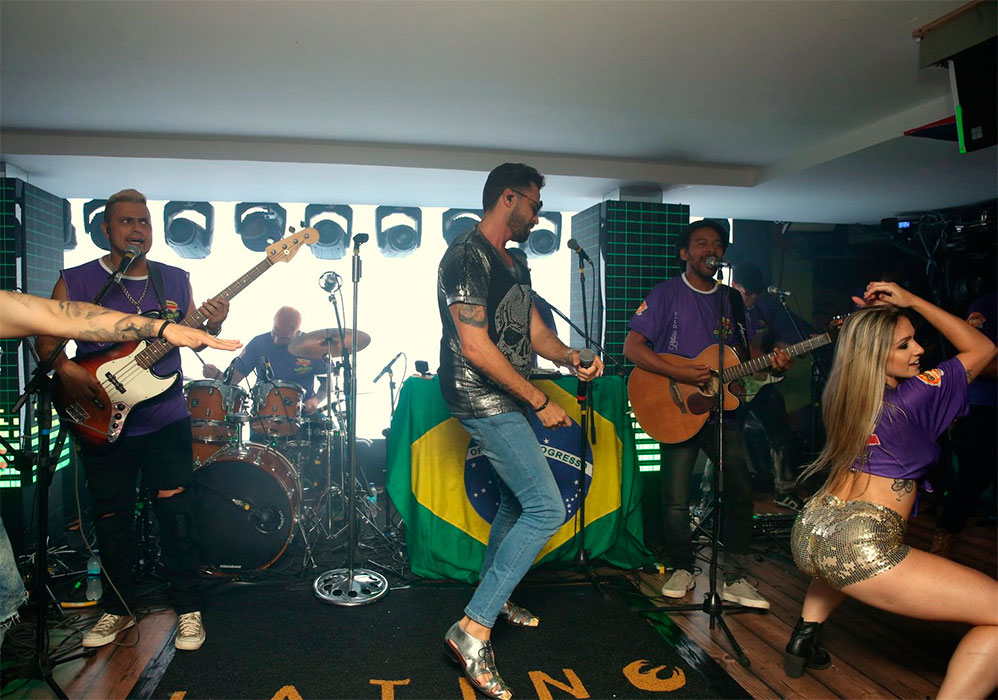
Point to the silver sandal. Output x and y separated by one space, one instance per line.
518 616
476 659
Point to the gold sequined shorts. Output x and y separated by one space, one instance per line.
845 542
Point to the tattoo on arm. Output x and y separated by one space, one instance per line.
471 315
903 487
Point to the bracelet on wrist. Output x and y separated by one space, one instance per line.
214 333
547 400
159 333
568 358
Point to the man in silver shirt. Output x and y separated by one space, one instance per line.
490 330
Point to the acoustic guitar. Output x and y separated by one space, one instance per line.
671 411
124 371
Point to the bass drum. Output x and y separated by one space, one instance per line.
248 501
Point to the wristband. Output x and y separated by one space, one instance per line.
547 400
163 328
568 358
214 334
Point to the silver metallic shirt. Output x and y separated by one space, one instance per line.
473 272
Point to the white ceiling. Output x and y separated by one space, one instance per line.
789 110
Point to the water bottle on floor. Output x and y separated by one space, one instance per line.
94 587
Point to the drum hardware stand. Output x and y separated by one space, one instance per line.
351 586
713 604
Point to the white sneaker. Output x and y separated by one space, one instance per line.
679 584
107 629
744 593
190 632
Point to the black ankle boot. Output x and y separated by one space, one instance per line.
803 650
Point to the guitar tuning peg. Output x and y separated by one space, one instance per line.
291 229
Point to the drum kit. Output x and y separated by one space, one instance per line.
290 478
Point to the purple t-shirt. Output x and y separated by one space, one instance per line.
983 315
916 412
287 367
85 281
681 320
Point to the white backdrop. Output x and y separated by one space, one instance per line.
398 305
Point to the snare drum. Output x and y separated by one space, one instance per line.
210 402
277 408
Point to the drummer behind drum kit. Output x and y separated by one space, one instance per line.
253 495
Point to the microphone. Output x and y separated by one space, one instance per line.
359 239
773 289
386 368
227 374
586 359
268 371
714 263
574 245
131 252
330 281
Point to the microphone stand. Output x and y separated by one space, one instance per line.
617 363
583 395
713 605
45 462
352 586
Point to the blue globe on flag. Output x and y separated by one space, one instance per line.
561 449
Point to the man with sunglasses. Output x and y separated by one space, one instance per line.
491 329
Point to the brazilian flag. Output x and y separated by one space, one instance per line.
446 491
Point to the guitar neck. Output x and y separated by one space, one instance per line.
760 363
155 351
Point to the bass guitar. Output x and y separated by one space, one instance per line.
124 371
671 411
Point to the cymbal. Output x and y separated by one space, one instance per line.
315 344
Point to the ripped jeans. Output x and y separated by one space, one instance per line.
12 593
165 459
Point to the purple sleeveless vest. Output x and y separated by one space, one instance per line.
85 281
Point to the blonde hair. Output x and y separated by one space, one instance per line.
853 400
130 196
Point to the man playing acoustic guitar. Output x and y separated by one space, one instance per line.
157 438
680 317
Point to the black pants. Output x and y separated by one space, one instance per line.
166 462
977 453
770 409
677 468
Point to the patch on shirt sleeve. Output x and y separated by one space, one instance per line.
873 440
932 377
641 309
976 319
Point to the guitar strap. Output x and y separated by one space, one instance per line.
738 314
156 277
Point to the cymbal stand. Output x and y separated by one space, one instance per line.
351 586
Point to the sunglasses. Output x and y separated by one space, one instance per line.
535 203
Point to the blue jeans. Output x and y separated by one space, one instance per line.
11 586
530 509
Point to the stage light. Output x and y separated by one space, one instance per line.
545 238
398 229
458 221
188 228
260 223
334 222
93 221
